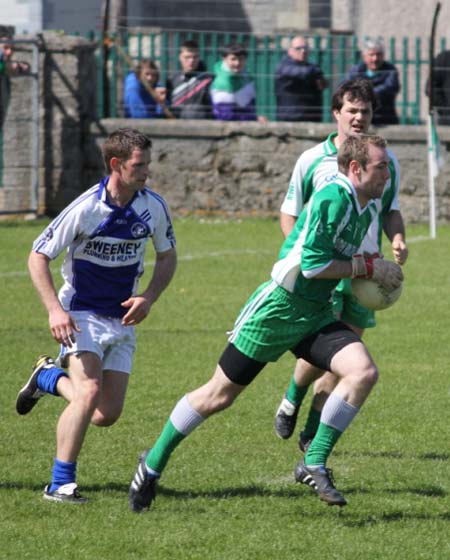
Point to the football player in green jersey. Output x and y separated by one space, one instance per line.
352 106
293 312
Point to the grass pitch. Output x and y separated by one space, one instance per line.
229 492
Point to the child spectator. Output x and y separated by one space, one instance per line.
141 102
233 91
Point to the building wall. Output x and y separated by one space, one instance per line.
25 16
385 17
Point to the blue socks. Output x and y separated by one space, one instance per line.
48 379
62 473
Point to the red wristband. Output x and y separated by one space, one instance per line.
369 266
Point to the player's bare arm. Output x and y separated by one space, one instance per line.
62 325
140 305
386 273
287 223
395 230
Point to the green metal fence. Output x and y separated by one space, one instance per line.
334 53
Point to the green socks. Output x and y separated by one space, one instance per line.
183 420
169 439
296 394
312 422
322 445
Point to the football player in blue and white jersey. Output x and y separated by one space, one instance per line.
104 233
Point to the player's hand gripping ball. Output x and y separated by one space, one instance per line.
377 283
373 295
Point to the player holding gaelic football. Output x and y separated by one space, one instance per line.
293 312
352 106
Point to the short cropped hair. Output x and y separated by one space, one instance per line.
234 48
356 148
121 143
360 89
190 45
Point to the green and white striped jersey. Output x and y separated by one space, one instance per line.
317 167
331 227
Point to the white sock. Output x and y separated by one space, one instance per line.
338 413
287 407
184 417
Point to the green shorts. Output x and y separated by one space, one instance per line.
346 308
274 321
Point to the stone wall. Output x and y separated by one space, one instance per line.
67 74
228 168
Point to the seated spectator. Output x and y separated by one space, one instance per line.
233 91
143 96
441 87
188 90
299 85
384 77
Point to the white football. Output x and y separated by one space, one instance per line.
373 296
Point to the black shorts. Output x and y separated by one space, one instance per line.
318 349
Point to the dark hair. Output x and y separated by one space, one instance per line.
357 89
122 142
147 63
356 148
190 45
234 48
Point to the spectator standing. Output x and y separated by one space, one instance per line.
233 92
384 77
8 68
188 90
138 102
299 85
441 87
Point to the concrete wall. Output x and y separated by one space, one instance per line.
67 106
227 168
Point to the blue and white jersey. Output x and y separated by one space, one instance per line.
105 247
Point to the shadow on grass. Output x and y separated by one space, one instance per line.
429 456
350 519
228 492
294 491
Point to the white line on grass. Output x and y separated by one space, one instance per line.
212 254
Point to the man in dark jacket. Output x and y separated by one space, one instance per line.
384 77
441 87
299 85
188 90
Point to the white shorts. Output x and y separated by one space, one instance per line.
105 336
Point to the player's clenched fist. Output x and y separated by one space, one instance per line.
386 273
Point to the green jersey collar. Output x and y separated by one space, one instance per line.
330 148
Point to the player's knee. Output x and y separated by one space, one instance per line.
215 401
369 375
88 393
103 419
220 402
325 384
